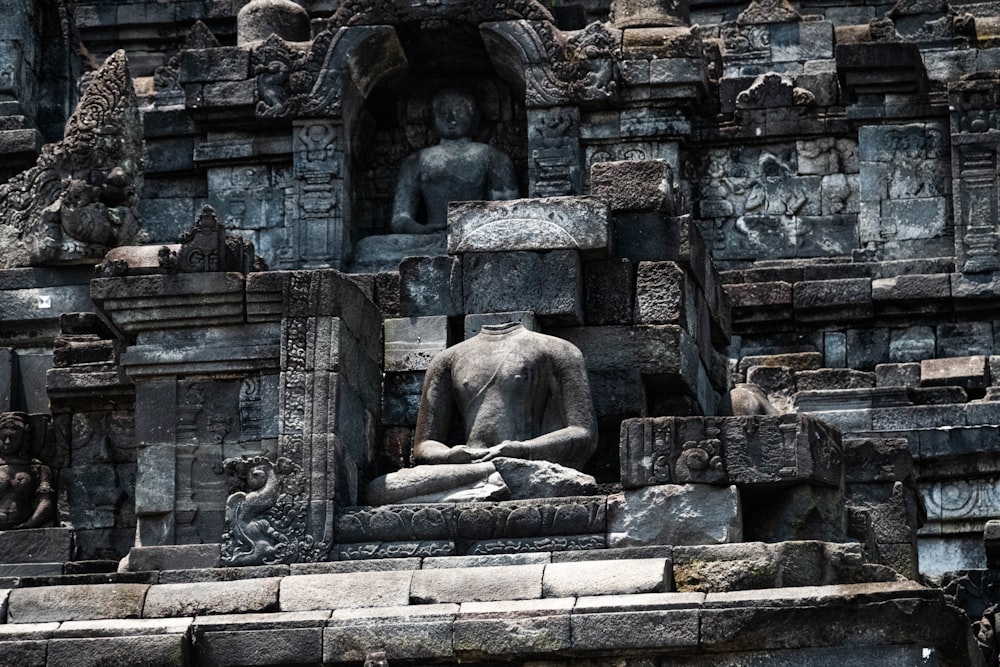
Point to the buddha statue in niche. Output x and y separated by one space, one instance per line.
457 168
27 498
527 423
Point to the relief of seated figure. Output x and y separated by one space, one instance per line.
458 168
27 499
527 423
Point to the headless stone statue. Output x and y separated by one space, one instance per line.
528 422
27 499
456 169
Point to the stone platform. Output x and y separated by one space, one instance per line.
819 603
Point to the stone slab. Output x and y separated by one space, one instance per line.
310 592
223 597
171 557
746 451
232 648
165 650
701 514
75 603
413 632
504 582
548 284
36 545
554 223
514 627
627 631
645 575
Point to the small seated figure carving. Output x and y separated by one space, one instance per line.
528 422
27 498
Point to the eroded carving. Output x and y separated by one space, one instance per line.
207 247
27 495
81 197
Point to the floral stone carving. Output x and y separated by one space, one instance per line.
81 197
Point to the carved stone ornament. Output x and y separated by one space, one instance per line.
292 82
166 77
81 197
394 12
207 247
774 90
266 521
583 65
769 11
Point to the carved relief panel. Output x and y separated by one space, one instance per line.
783 200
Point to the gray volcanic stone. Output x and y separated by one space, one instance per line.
505 582
260 19
223 597
542 479
351 590
549 284
558 223
630 622
639 575
634 185
411 632
511 627
75 603
700 514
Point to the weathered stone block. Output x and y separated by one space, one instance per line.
430 286
514 627
171 557
549 284
634 185
223 597
405 633
898 375
556 223
799 512
348 590
505 582
75 603
411 342
609 291
36 545
971 373
225 63
964 339
702 515
877 460
833 378
826 299
640 575
166 650
796 361
665 295
627 622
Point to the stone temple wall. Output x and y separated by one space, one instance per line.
802 197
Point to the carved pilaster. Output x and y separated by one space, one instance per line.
975 138
318 237
554 146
